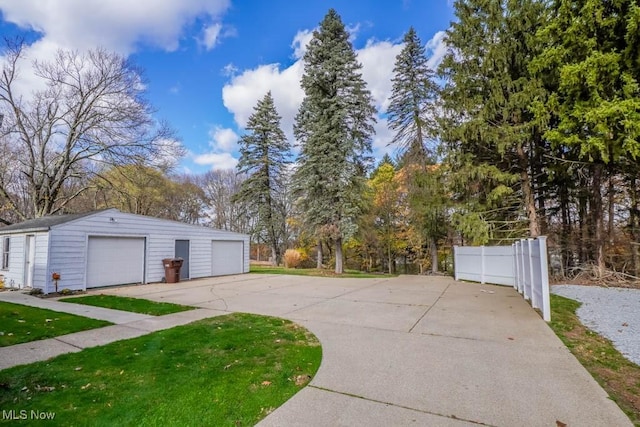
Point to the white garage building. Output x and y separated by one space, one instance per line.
110 247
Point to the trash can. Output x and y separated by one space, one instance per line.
172 269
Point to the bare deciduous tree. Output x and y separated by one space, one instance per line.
90 114
219 187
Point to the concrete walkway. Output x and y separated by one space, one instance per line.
405 351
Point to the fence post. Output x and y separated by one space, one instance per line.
532 277
482 263
515 266
544 278
455 262
520 277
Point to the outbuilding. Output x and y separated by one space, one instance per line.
109 247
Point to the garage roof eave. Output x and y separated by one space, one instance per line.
43 223
24 230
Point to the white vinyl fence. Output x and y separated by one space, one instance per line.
522 265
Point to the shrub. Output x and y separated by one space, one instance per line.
292 258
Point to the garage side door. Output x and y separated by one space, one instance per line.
115 261
227 257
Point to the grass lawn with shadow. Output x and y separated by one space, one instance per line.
135 305
22 323
264 269
230 370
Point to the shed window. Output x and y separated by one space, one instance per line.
5 253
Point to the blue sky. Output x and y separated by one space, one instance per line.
207 62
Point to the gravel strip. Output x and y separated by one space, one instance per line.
612 312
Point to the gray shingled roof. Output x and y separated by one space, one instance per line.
42 224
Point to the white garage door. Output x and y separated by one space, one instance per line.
115 261
227 257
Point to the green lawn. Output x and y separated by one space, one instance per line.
136 305
225 371
314 272
619 377
21 323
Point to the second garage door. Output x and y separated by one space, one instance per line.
227 257
115 261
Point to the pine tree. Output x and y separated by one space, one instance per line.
264 153
591 61
334 127
412 116
488 99
414 93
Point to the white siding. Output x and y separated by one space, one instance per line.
14 276
68 246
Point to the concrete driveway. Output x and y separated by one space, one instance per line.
413 350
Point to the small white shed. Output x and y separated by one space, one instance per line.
110 247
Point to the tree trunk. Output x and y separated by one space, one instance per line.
583 243
527 191
567 256
389 259
274 256
339 268
319 261
597 211
634 226
540 178
434 255
611 195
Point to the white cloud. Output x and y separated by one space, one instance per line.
300 42
27 81
244 91
223 143
436 49
353 31
217 161
117 25
377 59
229 70
382 138
210 35
223 139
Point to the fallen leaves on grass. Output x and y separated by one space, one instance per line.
301 380
230 365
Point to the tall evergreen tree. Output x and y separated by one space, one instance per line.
264 151
591 57
412 115
412 109
489 96
334 127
